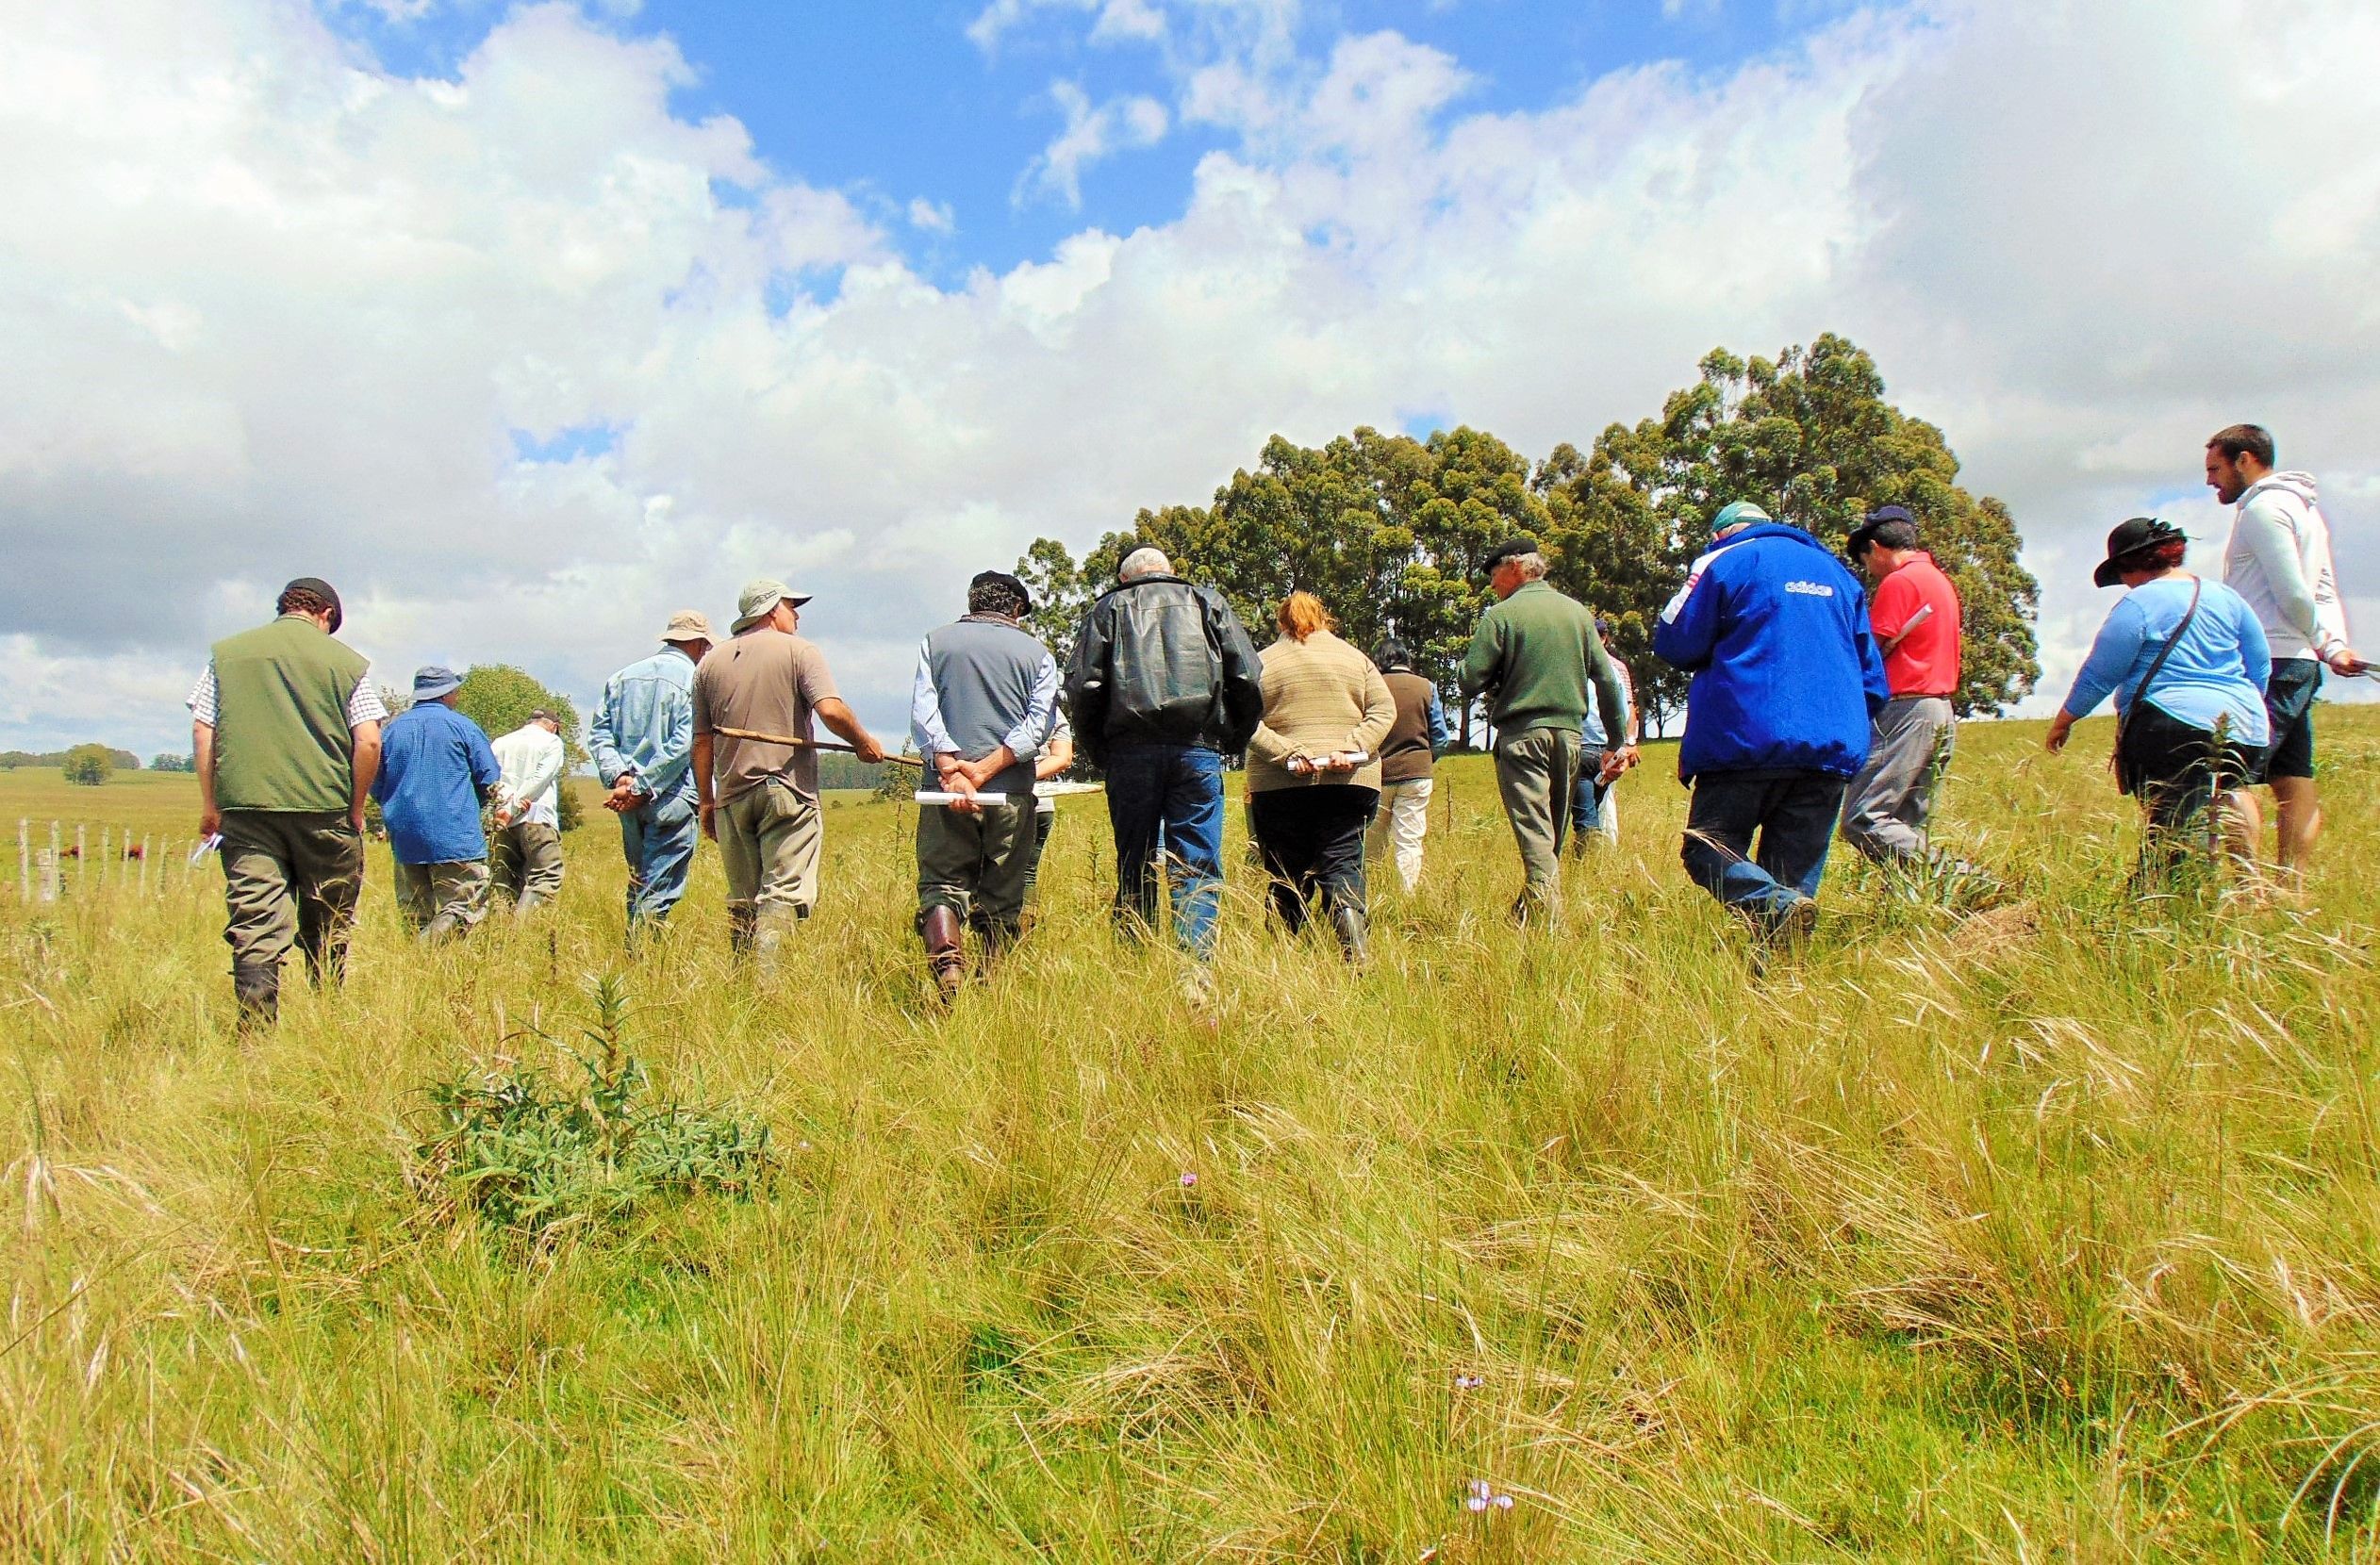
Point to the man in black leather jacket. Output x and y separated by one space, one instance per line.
1163 684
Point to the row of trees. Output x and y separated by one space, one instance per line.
118 760
1389 530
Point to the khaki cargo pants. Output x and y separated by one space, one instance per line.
526 864
440 902
770 841
1535 771
290 877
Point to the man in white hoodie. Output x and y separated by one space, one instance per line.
2278 559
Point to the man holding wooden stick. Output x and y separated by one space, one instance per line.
982 706
756 766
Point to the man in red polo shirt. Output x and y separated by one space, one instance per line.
1914 615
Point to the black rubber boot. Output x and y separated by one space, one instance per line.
1355 934
258 991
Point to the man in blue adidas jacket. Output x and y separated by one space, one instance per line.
1787 680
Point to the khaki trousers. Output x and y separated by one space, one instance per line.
976 864
290 877
525 863
440 902
1534 773
769 841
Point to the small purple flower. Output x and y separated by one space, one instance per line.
1483 1496
1469 1382
1188 1178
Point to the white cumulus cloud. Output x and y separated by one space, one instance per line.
523 358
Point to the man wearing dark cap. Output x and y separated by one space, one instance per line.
286 732
758 785
1914 615
436 769
1536 655
980 711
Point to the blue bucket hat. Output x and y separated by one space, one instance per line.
434 680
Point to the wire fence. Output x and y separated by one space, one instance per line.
58 861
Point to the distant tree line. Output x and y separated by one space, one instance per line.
118 760
1389 530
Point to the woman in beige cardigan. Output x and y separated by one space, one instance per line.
1314 769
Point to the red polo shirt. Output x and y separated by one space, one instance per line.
1927 661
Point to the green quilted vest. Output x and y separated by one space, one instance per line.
281 736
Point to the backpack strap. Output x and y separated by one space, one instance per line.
2139 692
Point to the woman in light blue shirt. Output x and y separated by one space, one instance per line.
2192 718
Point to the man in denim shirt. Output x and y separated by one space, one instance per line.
643 741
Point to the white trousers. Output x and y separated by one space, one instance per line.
1401 821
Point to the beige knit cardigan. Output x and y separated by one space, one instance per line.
1321 697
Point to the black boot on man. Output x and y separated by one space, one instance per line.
258 988
1355 935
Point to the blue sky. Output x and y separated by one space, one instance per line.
895 103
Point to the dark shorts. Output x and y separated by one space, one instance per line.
2289 701
2176 769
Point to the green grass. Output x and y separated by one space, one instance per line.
2053 1235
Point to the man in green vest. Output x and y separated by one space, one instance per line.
286 730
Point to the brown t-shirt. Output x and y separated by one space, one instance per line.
768 681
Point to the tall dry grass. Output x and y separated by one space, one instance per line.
2047 1235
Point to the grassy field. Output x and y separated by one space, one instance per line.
2051 1235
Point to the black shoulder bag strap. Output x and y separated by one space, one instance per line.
2140 693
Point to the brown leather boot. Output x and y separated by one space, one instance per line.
944 957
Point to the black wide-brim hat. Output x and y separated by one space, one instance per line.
2129 538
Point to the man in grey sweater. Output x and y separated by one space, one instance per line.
984 703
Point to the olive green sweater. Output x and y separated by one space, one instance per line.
1536 653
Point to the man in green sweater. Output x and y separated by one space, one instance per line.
1534 655
286 732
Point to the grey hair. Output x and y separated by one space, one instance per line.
1531 566
1144 562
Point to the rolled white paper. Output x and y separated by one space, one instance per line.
925 797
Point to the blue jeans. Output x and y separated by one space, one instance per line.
1167 798
1586 804
657 839
1794 815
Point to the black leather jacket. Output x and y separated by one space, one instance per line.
1161 662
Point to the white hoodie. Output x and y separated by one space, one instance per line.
2278 559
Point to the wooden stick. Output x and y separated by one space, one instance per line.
790 742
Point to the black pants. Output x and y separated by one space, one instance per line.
1044 822
2175 770
1311 840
